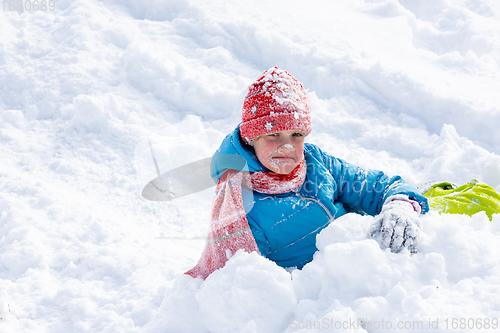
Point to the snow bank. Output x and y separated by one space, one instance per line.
351 283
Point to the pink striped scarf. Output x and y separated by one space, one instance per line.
229 230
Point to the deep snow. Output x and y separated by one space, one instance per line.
408 87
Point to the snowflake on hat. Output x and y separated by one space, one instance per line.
275 102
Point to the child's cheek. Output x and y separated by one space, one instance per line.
269 149
265 152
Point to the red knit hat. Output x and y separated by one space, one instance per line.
276 102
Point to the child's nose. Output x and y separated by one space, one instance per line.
286 140
286 145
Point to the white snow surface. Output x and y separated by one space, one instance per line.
408 87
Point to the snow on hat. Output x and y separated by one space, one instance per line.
276 102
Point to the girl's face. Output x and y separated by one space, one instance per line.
280 152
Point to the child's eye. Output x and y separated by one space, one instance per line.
297 134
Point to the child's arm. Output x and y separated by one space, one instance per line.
366 190
396 202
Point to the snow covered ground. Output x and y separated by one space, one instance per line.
408 87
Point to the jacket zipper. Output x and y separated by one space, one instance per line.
318 202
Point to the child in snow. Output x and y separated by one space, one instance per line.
295 188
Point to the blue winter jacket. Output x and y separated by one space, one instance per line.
285 225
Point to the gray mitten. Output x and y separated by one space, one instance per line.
397 226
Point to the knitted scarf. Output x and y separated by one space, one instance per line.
229 230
